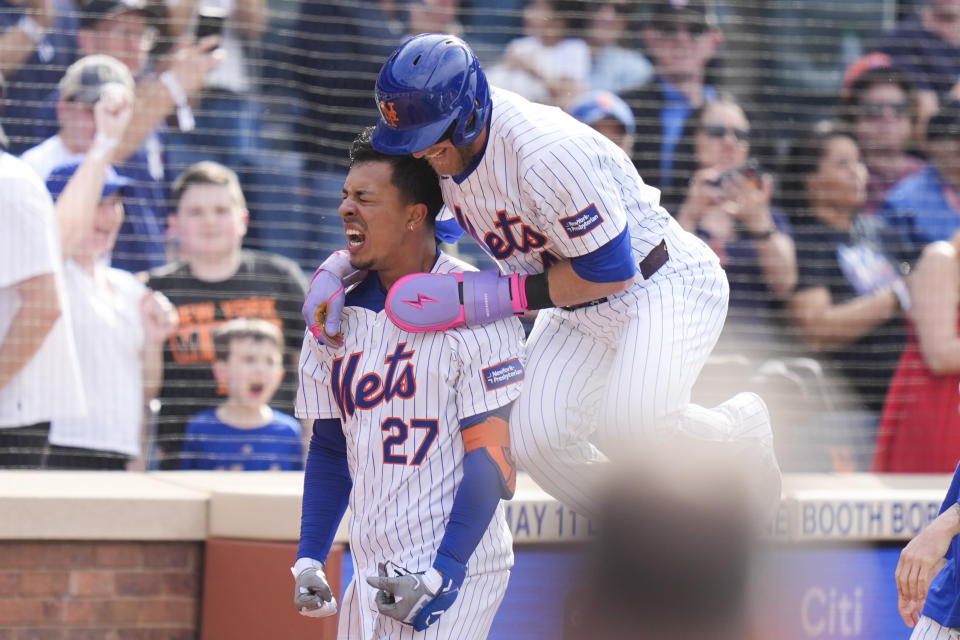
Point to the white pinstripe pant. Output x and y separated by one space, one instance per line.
929 629
600 379
470 617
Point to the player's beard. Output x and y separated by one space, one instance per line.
453 162
361 264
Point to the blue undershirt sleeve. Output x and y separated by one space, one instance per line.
326 489
613 262
448 230
474 505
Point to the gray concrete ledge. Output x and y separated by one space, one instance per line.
195 505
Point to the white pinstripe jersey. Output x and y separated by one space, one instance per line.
400 397
549 186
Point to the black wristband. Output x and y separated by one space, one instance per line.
537 292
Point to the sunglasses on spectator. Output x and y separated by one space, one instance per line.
720 132
671 29
878 109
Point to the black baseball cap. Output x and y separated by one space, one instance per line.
698 12
94 11
945 123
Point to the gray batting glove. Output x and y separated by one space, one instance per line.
312 595
416 599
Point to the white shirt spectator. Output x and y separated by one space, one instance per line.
49 386
109 335
617 69
48 155
568 59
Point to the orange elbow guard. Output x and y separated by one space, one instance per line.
493 435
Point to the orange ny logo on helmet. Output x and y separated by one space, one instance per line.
389 114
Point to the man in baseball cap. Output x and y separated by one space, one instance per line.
681 37
141 244
609 114
124 29
690 12
94 11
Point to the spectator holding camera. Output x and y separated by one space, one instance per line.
850 296
728 204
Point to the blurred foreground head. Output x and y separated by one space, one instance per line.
673 555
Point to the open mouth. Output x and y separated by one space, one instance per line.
256 389
355 238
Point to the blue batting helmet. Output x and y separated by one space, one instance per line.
431 83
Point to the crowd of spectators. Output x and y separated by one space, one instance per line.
222 192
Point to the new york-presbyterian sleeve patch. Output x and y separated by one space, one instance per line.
583 222
500 375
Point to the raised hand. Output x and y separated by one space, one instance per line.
112 112
158 315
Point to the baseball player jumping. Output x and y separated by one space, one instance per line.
409 428
630 305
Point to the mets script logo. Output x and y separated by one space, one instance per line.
370 390
389 113
513 235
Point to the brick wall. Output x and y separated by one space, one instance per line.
99 590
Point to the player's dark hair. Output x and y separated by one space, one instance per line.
207 172
255 329
413 177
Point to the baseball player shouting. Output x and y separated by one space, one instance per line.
409 428
630 305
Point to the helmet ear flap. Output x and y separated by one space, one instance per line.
478 114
